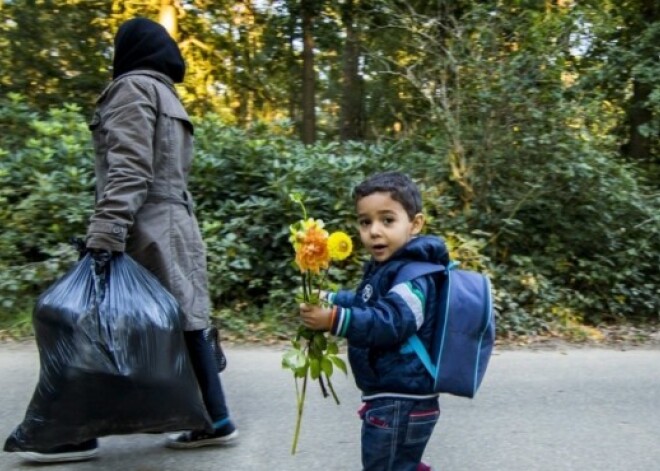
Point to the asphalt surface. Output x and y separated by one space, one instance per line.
567 409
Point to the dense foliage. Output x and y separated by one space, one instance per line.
391 68
533 127
566 239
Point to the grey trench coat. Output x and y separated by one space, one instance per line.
143 141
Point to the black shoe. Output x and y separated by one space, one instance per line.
79 452
225 435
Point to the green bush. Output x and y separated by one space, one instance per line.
584 248
46 193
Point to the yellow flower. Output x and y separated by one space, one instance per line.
340 245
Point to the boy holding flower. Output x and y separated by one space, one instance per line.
400 408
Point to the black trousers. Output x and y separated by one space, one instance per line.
206 370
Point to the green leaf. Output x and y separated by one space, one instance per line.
326 366
305 333
314 368
294 359
338 362
296 197
319 342
301 372
333 348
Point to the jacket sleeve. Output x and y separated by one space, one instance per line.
390 321
128 125
343 298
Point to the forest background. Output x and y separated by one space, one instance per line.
531 126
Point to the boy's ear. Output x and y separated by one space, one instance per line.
418 223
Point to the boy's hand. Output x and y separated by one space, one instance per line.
316 317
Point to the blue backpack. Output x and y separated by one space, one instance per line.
465 328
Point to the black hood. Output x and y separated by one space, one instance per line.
144 44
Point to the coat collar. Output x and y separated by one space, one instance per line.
151 73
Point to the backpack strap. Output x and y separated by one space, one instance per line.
409 272
419 349
413 270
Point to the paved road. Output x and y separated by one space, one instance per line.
562 410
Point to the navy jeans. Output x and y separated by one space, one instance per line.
206 371
395 433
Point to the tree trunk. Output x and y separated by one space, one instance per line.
168 17
352 119
638 147
309 76
293 68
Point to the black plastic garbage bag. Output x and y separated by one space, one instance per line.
113 360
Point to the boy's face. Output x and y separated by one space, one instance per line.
384 225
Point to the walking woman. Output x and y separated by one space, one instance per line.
143 141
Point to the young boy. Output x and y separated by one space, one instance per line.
400 409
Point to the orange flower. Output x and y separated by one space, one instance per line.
312 248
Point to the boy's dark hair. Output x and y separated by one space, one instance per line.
400 187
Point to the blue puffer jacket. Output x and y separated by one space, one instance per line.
378 318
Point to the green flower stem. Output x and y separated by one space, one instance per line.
304 286
309 287
332 389
324 391
325 274
301 406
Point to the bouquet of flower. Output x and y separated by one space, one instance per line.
313 354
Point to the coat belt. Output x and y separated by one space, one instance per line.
184 198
